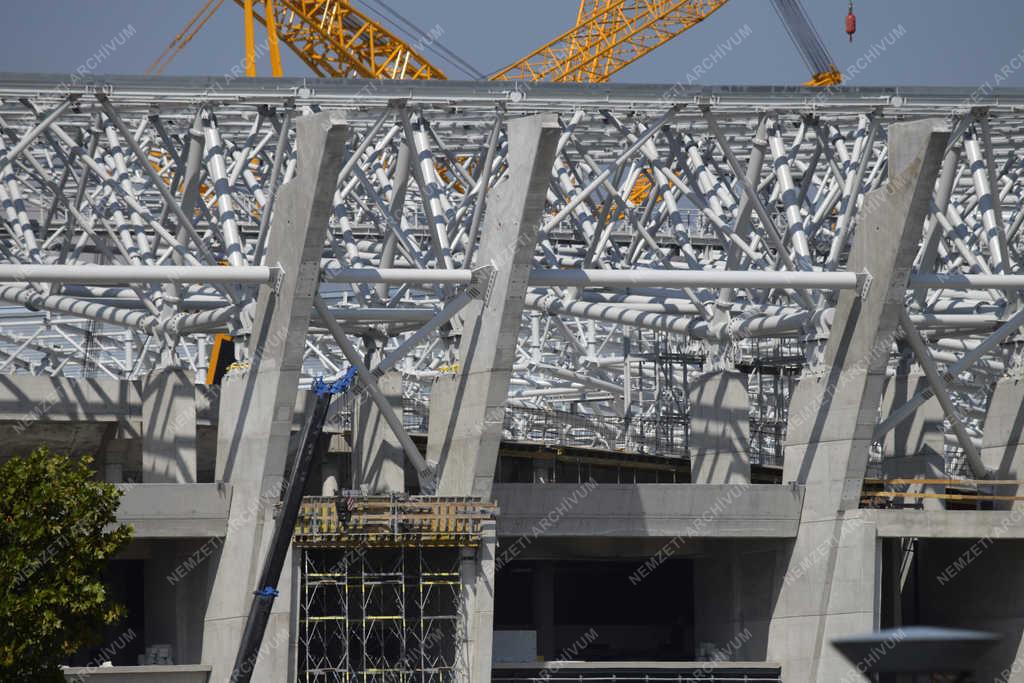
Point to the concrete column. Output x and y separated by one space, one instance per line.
257 405
477 609
931 466
1002 445
471 426
168 427
720 429
919 434
544 608
378 461
830 585
914 449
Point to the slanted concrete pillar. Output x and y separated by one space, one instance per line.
1002 445
831 585
378 461
720 429
168 427
257 406
471 424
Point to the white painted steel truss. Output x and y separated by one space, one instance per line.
685 230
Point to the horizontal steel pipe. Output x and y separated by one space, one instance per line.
959 281
396 276
617 314
357 315
693 278
111 275
540 277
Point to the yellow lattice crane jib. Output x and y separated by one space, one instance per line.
609 35
337 40
334 40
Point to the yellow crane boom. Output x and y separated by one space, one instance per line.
336 40
609 35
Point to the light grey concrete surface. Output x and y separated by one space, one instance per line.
947 523
175 510
1002 446
378 461
930 466
139 674
257 406
177 575
476 570
168 427
28 398
922 432
831 581
468 452
735 584
649 510
720 429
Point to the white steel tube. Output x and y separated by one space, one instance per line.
112 275
693 278
676 279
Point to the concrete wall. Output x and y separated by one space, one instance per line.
139 674
735 588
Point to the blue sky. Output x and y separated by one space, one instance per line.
942 42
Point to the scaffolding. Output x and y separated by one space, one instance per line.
381 586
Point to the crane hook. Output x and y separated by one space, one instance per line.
851 22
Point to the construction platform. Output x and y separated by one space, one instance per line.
391 522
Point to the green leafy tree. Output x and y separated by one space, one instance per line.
57 531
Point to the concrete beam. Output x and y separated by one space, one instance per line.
973 524
175 510
648 510
31 398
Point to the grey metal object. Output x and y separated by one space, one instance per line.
917 649
119 196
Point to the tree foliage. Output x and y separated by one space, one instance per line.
57 531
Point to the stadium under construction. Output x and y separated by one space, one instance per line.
632 384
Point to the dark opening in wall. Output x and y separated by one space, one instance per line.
593 611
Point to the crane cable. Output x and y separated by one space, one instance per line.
183 38
803 34
430 43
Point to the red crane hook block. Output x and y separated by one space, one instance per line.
851 23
